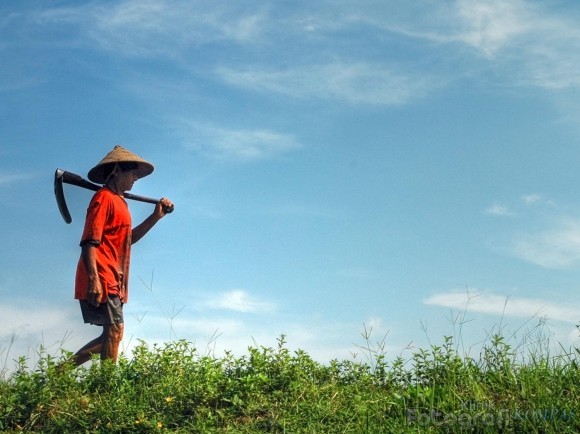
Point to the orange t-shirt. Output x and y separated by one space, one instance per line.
108 227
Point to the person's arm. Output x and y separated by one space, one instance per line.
95 291
140 230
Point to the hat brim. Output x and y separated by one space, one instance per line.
97 173
119 154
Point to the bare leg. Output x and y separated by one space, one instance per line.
107 345
113 336
85 353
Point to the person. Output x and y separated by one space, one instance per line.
102 276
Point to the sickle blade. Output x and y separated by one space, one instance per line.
59 194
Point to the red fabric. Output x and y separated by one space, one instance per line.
108 226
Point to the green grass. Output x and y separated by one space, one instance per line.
175 388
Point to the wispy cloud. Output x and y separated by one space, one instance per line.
235 144
352 82
217 332
7 179
553 248
26 328
159 327
175 30
239 300
23 321
556 246
537 47
492 304
521 41
499 210
529 202
149 27
518 42
490 25
538 200
532 199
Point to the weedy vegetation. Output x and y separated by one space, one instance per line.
174 388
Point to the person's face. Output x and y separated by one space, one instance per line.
125 180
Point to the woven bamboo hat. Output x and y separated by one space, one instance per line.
118 155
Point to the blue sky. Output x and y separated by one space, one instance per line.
405 166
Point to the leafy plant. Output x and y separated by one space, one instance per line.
175 388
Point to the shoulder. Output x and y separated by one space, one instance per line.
102 201
103 195
104 192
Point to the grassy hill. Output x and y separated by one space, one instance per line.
175 388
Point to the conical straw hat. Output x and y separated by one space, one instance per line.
118 155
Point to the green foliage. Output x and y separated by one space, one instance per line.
174 388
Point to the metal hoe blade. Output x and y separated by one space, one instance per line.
59 194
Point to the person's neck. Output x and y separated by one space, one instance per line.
112 185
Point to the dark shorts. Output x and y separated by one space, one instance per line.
107 313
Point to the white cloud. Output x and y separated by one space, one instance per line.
239 300
375 328
530 202
215 334
492 24
526 206
351 82
13 178
24 321
532 199
522 42
155 28
158 326
28 328
537 47
484 25
499 210
238 145
492 304
554 248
